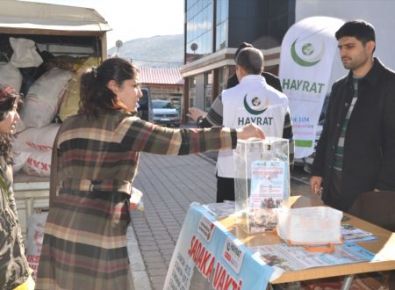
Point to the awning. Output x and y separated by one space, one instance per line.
42 16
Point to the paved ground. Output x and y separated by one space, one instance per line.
170 184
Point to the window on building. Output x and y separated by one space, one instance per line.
192 91
222 17
208 90
222 78
199 29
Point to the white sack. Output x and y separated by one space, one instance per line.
42 100
10 75
38 163
25 53
40 139
20 159
34 239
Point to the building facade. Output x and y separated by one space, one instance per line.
213 31
163 83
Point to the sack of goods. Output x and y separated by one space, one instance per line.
34 240
33 150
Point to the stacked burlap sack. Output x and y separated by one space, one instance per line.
51 94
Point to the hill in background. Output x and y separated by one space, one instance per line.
156 51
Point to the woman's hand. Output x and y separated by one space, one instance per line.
250 131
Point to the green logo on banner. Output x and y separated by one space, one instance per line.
308 55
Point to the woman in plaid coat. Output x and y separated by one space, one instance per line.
94 162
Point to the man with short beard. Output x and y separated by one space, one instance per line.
354 165
356 150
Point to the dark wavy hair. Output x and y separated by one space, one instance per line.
360 29
95 95
8 98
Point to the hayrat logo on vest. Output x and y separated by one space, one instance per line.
307 52
256 107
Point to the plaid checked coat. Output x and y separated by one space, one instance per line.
94 163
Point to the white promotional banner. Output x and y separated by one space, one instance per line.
208 257
307 54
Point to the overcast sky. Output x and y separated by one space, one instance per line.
130 19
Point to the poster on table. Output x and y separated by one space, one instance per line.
208 257
308 50
296 258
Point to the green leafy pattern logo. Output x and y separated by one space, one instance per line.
308 54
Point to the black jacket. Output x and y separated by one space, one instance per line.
369 148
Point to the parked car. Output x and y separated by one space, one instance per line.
164 113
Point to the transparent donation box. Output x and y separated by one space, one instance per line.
262 182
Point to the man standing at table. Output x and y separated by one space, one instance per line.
215 114
356 150
252 100
270 78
